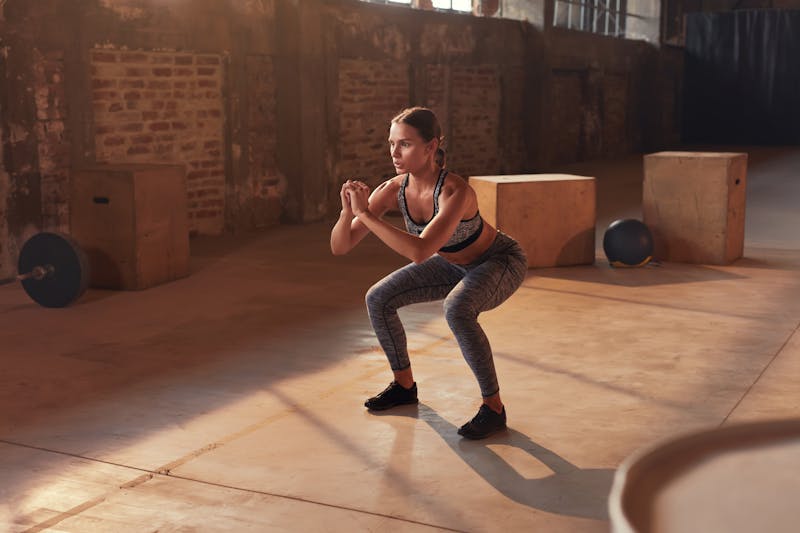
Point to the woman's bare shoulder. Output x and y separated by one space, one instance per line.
391 184
454 183
385 193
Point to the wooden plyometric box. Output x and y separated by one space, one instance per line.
694 204
132 221
552 216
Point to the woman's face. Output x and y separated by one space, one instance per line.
408 149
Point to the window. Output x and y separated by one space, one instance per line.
606 17
454 5
459 6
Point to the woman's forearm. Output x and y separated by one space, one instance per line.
341 238
410 246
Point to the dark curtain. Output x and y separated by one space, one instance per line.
742 77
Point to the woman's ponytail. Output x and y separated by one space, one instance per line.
441 157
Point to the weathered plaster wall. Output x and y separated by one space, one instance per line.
272 104
142 81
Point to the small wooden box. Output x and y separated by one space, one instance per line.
552 216
132 222
694 204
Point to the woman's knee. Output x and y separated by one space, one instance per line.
376 296
458 311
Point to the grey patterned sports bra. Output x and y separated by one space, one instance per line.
466 232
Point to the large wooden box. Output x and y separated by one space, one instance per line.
132 221
552 216
694 204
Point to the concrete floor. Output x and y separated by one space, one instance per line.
232 400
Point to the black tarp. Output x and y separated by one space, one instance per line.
742 77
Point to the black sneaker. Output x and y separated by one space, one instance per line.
392 396
486 422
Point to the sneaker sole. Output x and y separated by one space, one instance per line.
473 436
410 402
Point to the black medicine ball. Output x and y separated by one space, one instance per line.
628 243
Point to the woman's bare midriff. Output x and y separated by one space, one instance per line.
474 250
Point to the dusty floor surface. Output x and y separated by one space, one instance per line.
232 400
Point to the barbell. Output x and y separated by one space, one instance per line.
53 269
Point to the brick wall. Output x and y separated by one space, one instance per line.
152 107
260 199
437 92
53 140
514 122
473 147
615 101
467 101
7 268
510 100
565 115
370 94
589 112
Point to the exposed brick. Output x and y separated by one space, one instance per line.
138 149
195 174
114 141
372 92
161 123
98 96
103 84
157 84
104 57
136 72
132 127
158 126
131 84
142 139
133 58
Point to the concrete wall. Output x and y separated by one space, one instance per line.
271 104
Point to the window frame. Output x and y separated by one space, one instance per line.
600 17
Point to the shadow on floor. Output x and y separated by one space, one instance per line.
651 274
568 491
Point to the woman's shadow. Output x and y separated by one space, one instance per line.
569 490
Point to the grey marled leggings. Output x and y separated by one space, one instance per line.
466 290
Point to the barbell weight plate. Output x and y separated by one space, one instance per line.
70 276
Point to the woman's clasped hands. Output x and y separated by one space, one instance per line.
355 196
